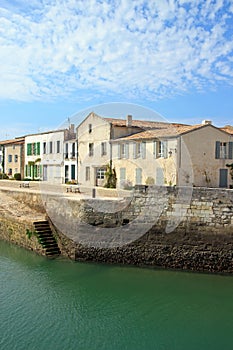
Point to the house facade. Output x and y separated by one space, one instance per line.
45 156
12 157
144 152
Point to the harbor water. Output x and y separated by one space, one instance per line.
65 305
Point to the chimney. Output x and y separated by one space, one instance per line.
129 120
207 122
71 128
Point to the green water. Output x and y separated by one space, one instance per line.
58 304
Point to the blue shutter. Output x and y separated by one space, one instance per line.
122 174
126 150
230 156
138 176
165 149
119 150
217 150
134 150
143 150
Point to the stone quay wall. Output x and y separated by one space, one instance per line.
163 227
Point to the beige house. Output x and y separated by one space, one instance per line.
13 156
145 152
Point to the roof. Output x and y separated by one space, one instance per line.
19 141
143 124
228 129
169 130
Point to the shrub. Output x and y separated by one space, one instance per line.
150 181
4 176
17 176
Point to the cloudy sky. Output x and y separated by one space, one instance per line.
59 57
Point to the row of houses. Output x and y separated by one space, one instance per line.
139 151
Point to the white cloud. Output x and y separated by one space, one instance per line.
135 49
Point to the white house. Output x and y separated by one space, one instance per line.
45 156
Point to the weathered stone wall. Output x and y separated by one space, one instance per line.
183 230
15 231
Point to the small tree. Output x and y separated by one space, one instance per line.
17 176
110 176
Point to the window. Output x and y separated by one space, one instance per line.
33 149
123 150
16 158
137 149
66 151
87 173
58 146
44 147
103 148
100 173
50 147
91 149
224 150
9 171
73 150
90 128
16 170
159 149
9 158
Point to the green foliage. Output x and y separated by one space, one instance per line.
231 169
30 233
17 176
150 180
110 176
4 176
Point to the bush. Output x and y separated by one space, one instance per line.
17 176
4 176
150 181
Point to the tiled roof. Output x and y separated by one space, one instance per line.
169 130
228 129
19 140
143 124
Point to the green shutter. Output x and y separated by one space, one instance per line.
29 149
34 171
37 148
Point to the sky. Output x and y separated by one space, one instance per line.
60 59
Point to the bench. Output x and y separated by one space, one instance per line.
73 189
25 184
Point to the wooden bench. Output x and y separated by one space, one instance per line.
73 189
25 184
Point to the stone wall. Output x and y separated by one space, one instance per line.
157 226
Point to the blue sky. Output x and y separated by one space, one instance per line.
60 57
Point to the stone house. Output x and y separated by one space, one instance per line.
146 152
12 156
45 156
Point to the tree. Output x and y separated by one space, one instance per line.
110 176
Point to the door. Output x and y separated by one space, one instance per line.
223 175
72 172
66 173
138 177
